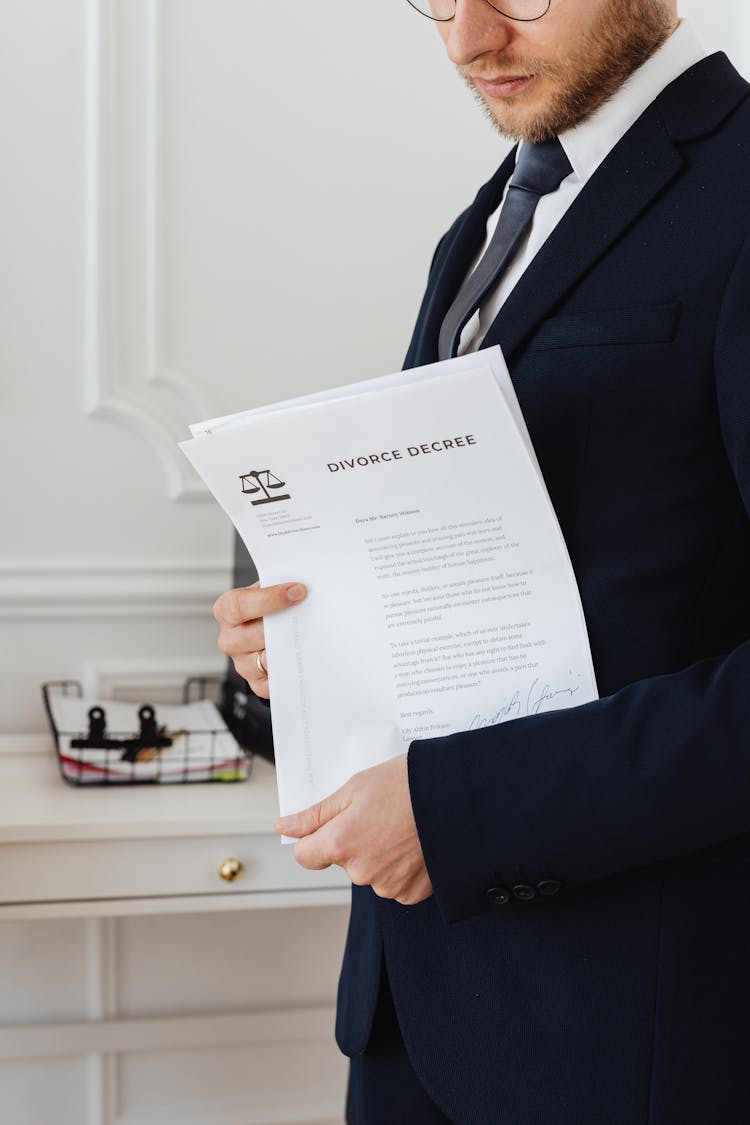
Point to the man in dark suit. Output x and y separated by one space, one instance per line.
551 917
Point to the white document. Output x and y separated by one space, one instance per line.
441 597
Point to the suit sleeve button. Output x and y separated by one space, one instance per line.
549 887
523 892
498 895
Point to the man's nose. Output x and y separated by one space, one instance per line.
475 29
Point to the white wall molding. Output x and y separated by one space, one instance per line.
262 1030
158 680
268 1027
284 1111
102 1003
281 1109
125 377
70 588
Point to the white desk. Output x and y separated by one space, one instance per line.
139 987
94 851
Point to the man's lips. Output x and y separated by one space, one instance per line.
504 86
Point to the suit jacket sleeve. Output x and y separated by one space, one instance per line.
654 772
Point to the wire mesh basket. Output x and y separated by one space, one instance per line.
110 742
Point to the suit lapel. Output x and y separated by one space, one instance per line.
634 173
644 162
637 170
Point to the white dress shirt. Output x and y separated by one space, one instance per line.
586 146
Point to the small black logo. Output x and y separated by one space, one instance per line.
263 480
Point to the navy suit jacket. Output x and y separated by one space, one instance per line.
624 998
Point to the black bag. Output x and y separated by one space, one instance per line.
246 714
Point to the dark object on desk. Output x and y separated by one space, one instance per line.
246 714
150 736
97 737
193 752
151 739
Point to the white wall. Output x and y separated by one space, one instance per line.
205 204
723 25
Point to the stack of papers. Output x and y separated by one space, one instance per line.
202 749
441 596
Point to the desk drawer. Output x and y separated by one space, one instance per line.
112 869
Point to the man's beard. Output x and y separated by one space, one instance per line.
628 33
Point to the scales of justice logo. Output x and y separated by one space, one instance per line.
263 481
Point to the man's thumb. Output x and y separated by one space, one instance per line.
310 820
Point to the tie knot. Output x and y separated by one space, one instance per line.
541 167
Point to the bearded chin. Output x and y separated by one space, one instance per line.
628 34
517 125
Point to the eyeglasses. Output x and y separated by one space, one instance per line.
525 11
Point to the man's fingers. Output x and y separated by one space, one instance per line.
240 614
305 822
310 820
313 853
236 607
237 640
247 667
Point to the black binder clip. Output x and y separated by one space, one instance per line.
150 740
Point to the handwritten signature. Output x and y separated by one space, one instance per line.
529 703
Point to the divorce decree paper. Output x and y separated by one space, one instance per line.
440 593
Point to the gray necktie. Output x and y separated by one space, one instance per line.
540 170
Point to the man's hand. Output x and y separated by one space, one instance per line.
367 827
240 614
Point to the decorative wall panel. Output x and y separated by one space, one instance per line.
127 376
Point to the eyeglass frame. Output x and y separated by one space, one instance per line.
516 19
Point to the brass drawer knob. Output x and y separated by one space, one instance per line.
231 869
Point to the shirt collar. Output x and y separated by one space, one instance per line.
587 145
